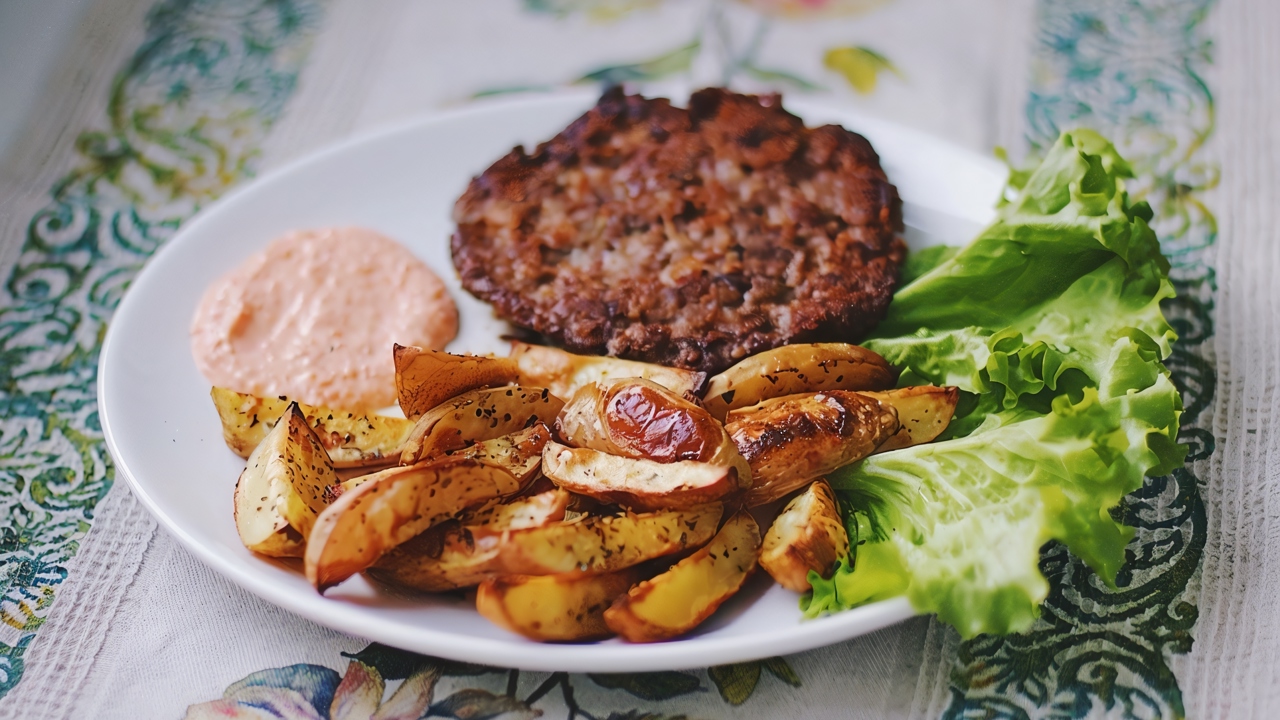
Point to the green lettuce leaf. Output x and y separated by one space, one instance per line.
1050 323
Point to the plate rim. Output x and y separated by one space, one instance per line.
680 654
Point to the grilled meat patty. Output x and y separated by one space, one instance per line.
688 237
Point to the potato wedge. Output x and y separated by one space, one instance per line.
352 439
636 418
392 507
924 412
478 415
604 544
808 535
282 490
553 607
466 555
790 441
635 483
563 372
518 514
426 378
678 600
794 369
519 453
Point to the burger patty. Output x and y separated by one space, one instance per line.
690 238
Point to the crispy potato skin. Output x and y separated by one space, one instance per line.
553 607
520 453
544 546
924 412
478 415
636 418
466 555
794 369
604 544
392 507
681 598
352 439
639 419
426 378
808 535
564 373
283 488
308 469
791 440
637 484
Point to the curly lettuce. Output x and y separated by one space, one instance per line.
1050 324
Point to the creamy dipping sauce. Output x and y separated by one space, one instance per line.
314 316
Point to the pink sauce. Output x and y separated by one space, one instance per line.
314 316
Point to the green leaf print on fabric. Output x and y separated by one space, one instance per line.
183 123
672 63
396 664
651 685
737 682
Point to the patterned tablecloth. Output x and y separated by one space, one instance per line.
159 106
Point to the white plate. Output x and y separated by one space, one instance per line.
165 437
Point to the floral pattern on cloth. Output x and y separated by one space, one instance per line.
314 692
1134 71
737 53
185 119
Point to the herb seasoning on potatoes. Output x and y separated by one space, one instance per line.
618 510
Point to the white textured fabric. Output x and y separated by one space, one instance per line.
108 33
1233 670
415 57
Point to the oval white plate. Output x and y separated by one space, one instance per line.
162 430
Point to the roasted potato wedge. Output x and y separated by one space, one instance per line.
924 412
678 600
553 607
478 415
519 453
636 418
282 489
604 544
352 439
464 556
794 369
518 514
392 507
426 378
808 535
790 441
635 483
261 526
563 372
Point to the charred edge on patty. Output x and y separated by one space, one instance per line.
690 238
